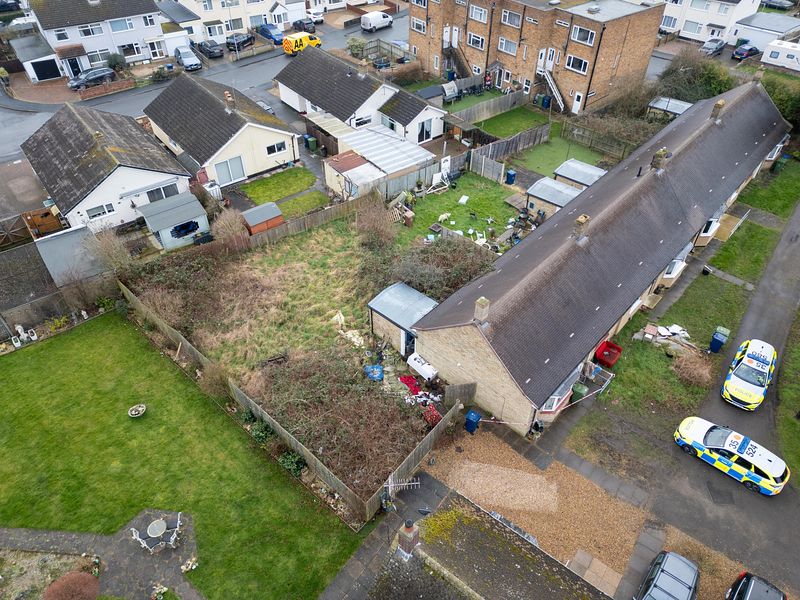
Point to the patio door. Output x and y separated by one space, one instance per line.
551 56
425 131
156 49
74 66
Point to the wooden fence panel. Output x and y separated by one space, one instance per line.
13 231
463 393
604 143
490 108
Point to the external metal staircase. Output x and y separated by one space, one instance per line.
548 77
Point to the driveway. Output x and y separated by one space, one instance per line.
20 189
762 532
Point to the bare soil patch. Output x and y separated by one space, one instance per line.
27 574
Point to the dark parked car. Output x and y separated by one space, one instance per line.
8 5
779 4
271 32
751 587
670 576
306 25
92 77
210 48
381 63
745 51
237 41
713 47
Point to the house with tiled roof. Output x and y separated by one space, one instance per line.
218 133
526 331
318 82
99 167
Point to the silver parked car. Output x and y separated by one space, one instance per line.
670 576
187 59
713 47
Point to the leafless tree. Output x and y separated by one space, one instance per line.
111 249
76 289
375 227
229 228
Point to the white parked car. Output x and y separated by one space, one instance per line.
317 15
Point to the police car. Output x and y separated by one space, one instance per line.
750 374
733 453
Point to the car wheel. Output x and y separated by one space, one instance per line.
689 449
752 486
107 79
81 87
372 30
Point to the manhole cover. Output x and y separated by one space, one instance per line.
719 496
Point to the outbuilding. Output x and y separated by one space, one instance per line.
393 312
175 220
262 217
37 57
550 195
578 173
669 107
782 54
761 29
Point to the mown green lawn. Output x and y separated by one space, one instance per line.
420 85
300 205
279 185
789 400
486 199
747 252
546 158
71 459
777 194
513 121
468 101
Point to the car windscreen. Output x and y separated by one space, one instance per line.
716 436
750 375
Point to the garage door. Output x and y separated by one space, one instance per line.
46 69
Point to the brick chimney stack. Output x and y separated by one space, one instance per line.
482 309
230 102
408 539
718 106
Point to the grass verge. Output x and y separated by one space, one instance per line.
279 185
789 400
775 193
513 121
747 252
72 460
545 158
300 205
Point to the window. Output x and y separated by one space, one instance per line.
699 4
418 25
476 70
526 86
710 227
692 27
165 191
229 170
387 122
99 211
157 49
279 18
673 267
507 46
476 13
256 20
435 62
506 76
422 3
577 64
774 54
233 25
562 23
590 94
118 25
214 30
149 20
723 9
226 3
583 35
511 18
189 30
90 30
207 5
790 56
476 41
276 148
128 50
531 21
98 58
361 121
669 22
61 34
414 50
678 2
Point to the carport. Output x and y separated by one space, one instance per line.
37 57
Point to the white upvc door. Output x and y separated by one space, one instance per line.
576 102
540 61
455 37
446 36
551 57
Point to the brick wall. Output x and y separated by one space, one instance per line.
386 330
107 88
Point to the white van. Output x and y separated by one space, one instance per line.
375 20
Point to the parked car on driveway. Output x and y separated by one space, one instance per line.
187 59
92 77
316 14
670 576
751 587
271 32
712 47
9 5
745 51
237 41
779 4
210 48
306 25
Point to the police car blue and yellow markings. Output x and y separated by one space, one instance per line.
711 443
750 374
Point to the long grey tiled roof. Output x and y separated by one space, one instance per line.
403 107
68 13
571 294
79 147
328 82
192 111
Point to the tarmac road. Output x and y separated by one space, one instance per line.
762 532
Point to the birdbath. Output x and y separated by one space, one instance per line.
136 411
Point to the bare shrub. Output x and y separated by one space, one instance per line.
73 586
166 304
214 381
691 77
76 290
630 98
110 248
375 227
208 201
694 368
408 73
229 228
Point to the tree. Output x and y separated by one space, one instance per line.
76 289
356 45
785 94
110 248
691 77
116 62
375 227
229 228
73 586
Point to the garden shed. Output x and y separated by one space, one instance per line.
578 173
349 175
263 217
175 220
667 106
550 195
393 312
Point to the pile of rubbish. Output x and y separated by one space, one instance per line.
674 338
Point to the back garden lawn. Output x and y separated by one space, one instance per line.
545 158
513 121
277 186
777 194
72 459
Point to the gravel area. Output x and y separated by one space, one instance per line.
25 575
575 514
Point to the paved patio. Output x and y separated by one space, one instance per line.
54 91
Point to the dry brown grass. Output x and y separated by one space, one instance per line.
694 368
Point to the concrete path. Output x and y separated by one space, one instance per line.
757 216
649 543
719 274
129 571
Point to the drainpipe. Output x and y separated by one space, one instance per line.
489 37
594 64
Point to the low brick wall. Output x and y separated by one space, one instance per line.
107 88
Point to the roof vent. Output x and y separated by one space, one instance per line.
361 75
94 2
594 9
554 2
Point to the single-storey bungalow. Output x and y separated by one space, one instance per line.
670 107
218 133
393 312
262 217
762 28
100 167
550 195
176 220
588 270
316 81
578 173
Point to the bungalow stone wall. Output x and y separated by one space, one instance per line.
386 330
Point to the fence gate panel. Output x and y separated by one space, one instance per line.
13 231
